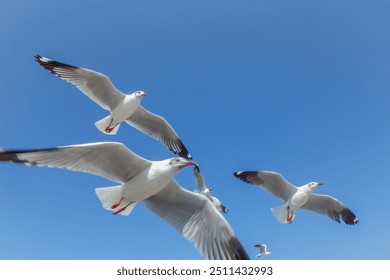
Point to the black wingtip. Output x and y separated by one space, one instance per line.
349 217
242 175
15 155
196 168
50 64
180 150
240 253
9 156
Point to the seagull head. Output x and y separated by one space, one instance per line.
139 94
313 185
179 162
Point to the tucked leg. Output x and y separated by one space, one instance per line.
108 129
122 209
117 203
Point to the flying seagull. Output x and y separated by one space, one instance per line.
297 197
262 250
122 107
142 180
204 190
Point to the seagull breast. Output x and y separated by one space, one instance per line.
149 182
298 199
125 108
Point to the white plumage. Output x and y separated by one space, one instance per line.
262 250
297 197
122 107
150 182
204 190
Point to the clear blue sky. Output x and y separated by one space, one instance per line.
297 87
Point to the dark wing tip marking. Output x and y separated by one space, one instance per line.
240 253
177 147
196 168
349 217
9 156
51 65
13 156
249 177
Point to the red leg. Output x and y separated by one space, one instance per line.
122 209
117 203
108 129
288 213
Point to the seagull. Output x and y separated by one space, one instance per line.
143 180
263 250
122 107
202 189
297 197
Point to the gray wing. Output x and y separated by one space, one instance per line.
199 221
273 182
107 159
199 179
158 128
331 207
95 85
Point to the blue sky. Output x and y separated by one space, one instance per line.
297 87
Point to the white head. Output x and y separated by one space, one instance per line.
139 94
179 162
313 185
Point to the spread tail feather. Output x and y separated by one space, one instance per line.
280 214
108 196
105 123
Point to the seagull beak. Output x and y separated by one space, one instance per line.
319 184
188 163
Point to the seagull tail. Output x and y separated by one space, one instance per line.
105 123
280 213
109 196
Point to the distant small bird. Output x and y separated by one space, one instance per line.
150 182
204 190
122 107
263 250
297 197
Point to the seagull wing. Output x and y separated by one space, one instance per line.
95 85
158 128
198 220
107 159
273 182
199 179
331 207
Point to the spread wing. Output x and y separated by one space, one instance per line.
273 182
199 221
158 128
107 159
95 85
331 207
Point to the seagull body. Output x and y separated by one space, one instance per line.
262 250
121 112
204 190
297 197
142 180
122 107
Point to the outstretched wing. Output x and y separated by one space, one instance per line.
95 85
273 182
199 221
107 159
158 128
331 207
